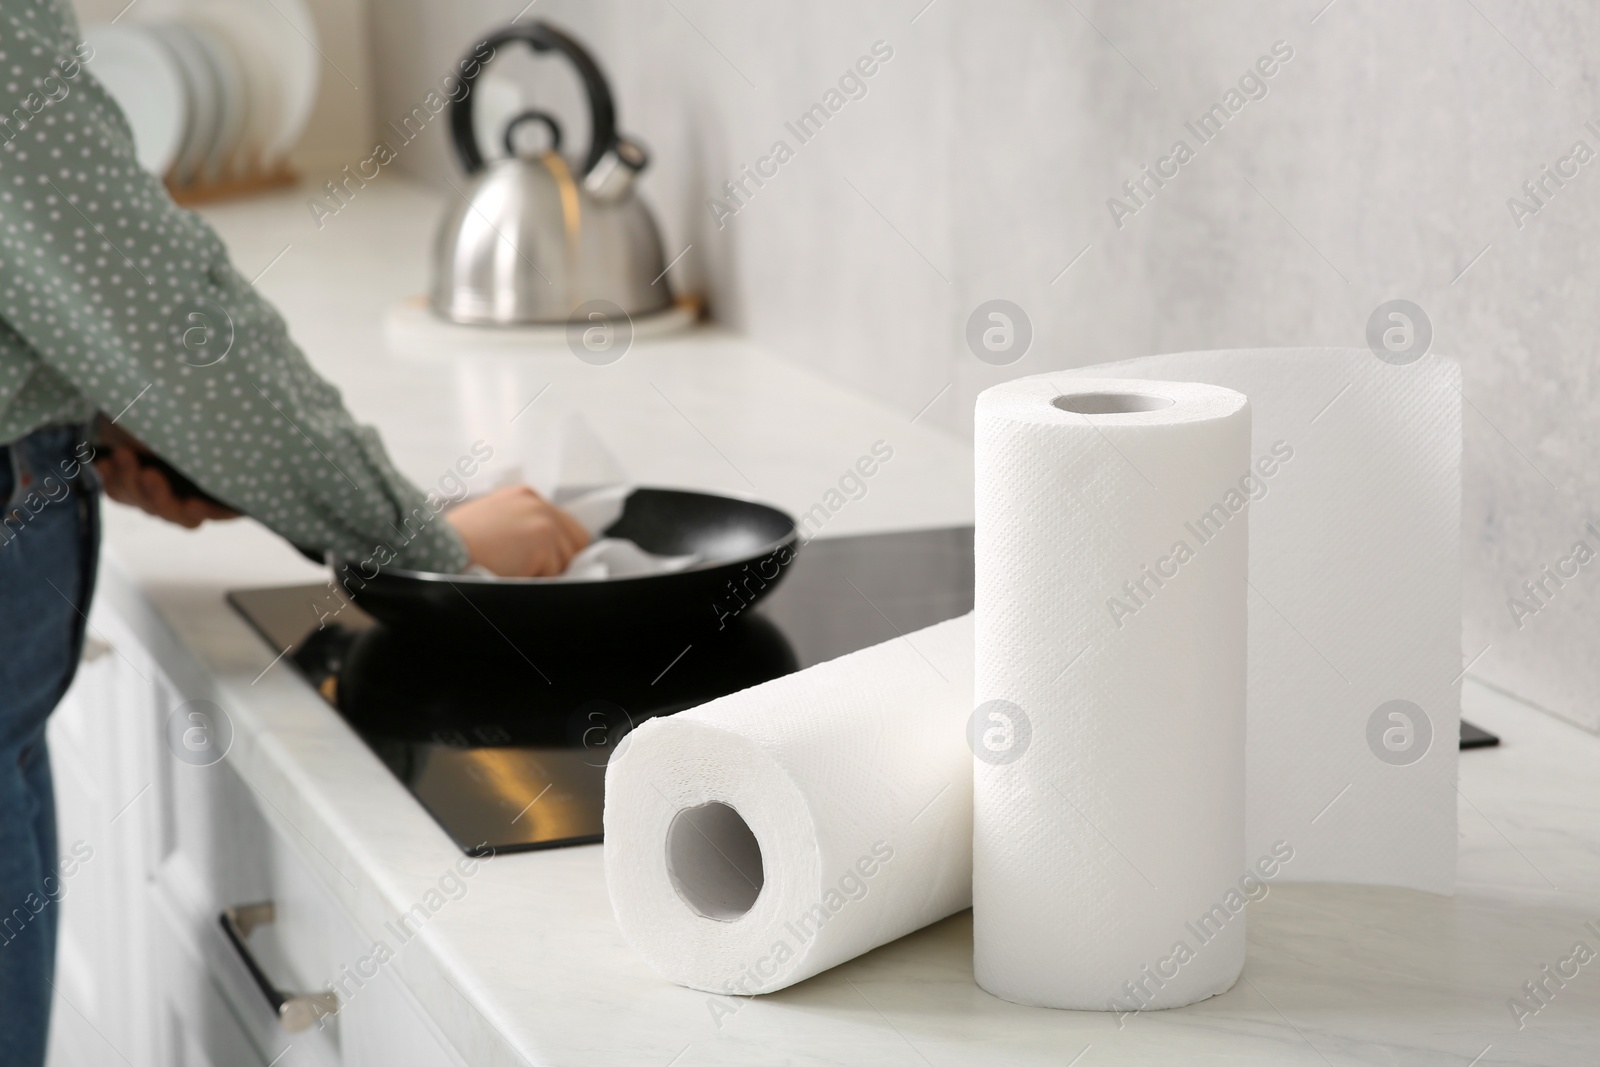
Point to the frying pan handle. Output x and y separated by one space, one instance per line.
541 37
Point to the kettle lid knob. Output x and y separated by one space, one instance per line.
517 121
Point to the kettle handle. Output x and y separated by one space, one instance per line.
541 37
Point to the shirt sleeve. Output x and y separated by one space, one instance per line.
131 301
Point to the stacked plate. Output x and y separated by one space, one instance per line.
214 90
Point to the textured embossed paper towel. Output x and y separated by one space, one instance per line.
763 837
1108 799
1355 604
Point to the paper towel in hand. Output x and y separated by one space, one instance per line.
605 557
1355 604
766 836
1110 620
610 557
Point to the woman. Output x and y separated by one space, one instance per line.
102 283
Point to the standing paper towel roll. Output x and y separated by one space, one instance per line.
1110 677
771 834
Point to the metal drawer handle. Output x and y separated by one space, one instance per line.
295 1011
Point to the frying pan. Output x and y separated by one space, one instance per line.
745 548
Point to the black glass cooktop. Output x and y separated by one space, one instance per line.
506 745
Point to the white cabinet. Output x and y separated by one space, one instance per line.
100 759
168 837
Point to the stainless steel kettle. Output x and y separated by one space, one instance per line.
530 241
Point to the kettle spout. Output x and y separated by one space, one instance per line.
612 174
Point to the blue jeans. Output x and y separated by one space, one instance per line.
49 542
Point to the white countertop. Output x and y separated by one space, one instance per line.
529 966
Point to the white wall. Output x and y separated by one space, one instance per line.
980 162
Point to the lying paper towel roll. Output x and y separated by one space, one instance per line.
1110 686
771 834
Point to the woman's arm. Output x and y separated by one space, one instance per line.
112 286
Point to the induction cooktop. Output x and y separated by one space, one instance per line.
505 744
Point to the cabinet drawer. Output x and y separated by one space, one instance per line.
207 1014
196 1027
223 853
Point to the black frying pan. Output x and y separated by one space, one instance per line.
745 546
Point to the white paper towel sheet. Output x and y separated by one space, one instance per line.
1110 634
1355 603
768 835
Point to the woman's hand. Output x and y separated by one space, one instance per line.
516 533
127 482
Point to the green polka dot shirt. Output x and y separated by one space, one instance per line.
115 300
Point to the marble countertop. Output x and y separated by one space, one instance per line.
529 967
